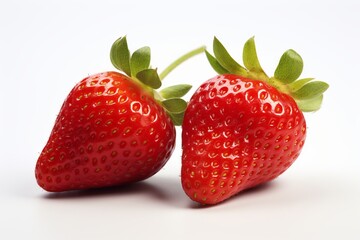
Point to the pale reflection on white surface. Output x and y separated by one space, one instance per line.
297 205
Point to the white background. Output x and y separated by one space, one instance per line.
48 46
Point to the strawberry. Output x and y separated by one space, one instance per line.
113 129
243 128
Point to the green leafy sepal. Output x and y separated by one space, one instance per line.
307 92
137 67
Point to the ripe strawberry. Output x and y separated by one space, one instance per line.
242 128
113 129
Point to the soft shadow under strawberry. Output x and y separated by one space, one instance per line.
163 189
126 189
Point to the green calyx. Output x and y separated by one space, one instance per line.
137 66
307 92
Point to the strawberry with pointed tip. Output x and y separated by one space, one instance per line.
113 128
243 128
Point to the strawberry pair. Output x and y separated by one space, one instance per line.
240 128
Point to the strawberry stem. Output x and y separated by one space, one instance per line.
180 60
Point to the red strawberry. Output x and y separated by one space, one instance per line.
113 129
242 128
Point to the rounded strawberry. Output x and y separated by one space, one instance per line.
243 128
113 129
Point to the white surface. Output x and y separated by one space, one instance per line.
48 46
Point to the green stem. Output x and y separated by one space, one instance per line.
279 85
180 60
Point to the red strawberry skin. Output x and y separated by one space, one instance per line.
237 133
109 131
